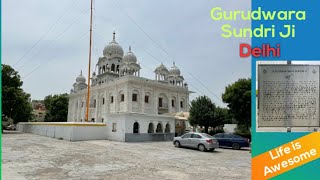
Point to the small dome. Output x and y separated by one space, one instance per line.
113 49
94 76
162 68
101 61
180 78
174 70
80 79
135 66
130 57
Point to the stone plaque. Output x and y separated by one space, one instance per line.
288 96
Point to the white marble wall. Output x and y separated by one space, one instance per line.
154 90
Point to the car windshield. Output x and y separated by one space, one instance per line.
206 135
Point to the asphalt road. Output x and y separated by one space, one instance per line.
28 156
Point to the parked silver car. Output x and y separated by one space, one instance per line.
201 141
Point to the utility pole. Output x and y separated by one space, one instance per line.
89 67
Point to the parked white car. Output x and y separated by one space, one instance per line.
201 141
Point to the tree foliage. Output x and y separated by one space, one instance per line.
57 108
47 101
203 112
223 115
15 104
238 98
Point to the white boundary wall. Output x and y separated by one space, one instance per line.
70 131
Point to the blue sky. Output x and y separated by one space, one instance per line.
158 31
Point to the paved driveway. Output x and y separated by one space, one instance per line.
28 156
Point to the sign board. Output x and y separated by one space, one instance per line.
288 96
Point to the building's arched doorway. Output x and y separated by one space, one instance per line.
159 128
167 130
136 127
151 128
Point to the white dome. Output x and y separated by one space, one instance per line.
80 79
135 66
180 78
162 68
113 49
130 57
174 70
94 77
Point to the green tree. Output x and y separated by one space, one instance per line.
47 101
57 108
223 116
238 98
15 104
202 113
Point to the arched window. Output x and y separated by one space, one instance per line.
159 128
151 128
136 127
182 104
113 67
117 70
135 95
167 130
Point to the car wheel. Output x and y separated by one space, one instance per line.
236 146
177 144
202 148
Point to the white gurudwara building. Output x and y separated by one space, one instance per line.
132 107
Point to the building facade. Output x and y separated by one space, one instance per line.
134 108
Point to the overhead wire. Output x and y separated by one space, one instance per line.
157 45
44 34
53 43
54 57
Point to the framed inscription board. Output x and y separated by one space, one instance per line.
288 95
